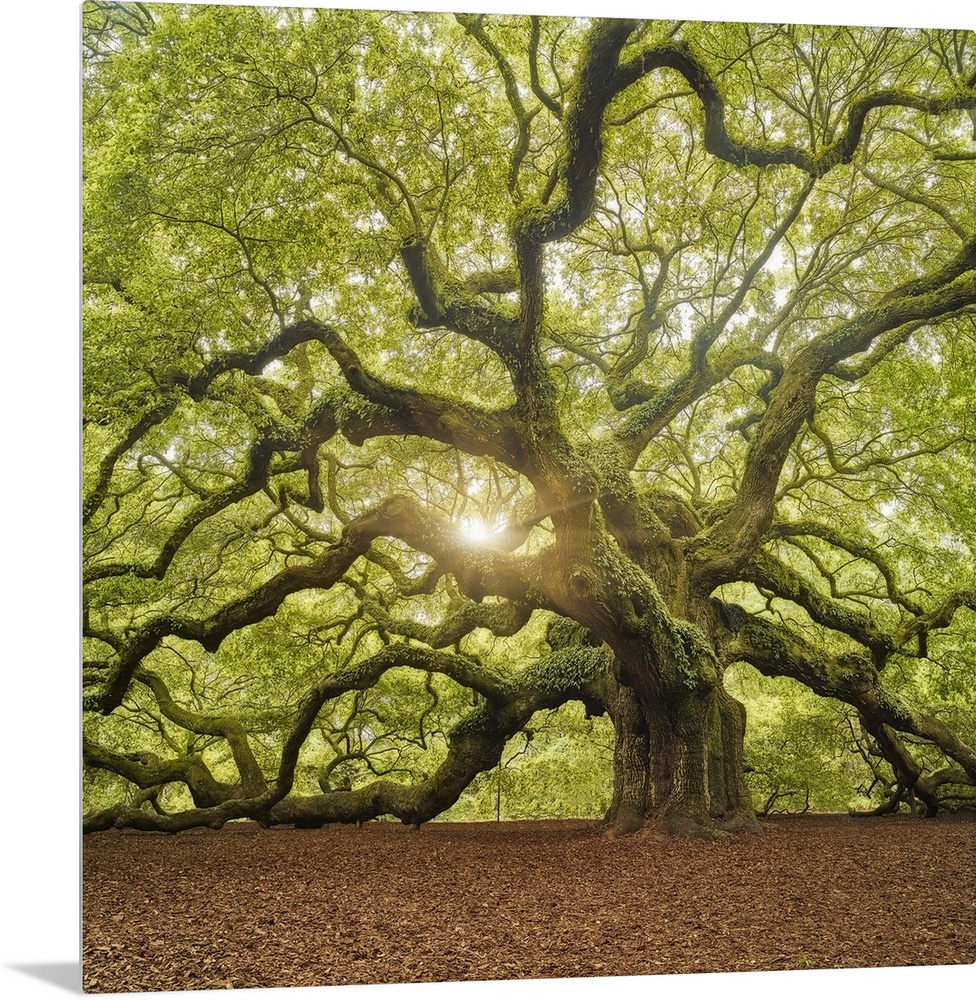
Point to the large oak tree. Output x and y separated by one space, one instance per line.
442 369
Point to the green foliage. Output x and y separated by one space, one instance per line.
565 771
302 452
798 747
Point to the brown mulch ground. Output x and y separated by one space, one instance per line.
250 907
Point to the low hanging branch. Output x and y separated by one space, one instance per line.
475 744
781 652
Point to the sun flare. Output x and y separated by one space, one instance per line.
474 531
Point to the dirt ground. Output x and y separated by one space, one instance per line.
251 907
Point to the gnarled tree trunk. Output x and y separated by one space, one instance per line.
678 761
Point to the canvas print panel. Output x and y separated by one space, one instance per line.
528 476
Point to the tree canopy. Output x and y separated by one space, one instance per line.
445 370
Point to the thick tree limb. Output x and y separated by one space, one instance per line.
726 546
475 744
780 652
253 781
771 574
860 549
720 143
501 619
148 771
596 85
468 428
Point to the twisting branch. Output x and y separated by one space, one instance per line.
596 85
938 618
859 549
679 56
775 576
545 98
196 387
148 771
475 744
727 545
399 517
505 618
261 603
778 651
153 418
252 779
